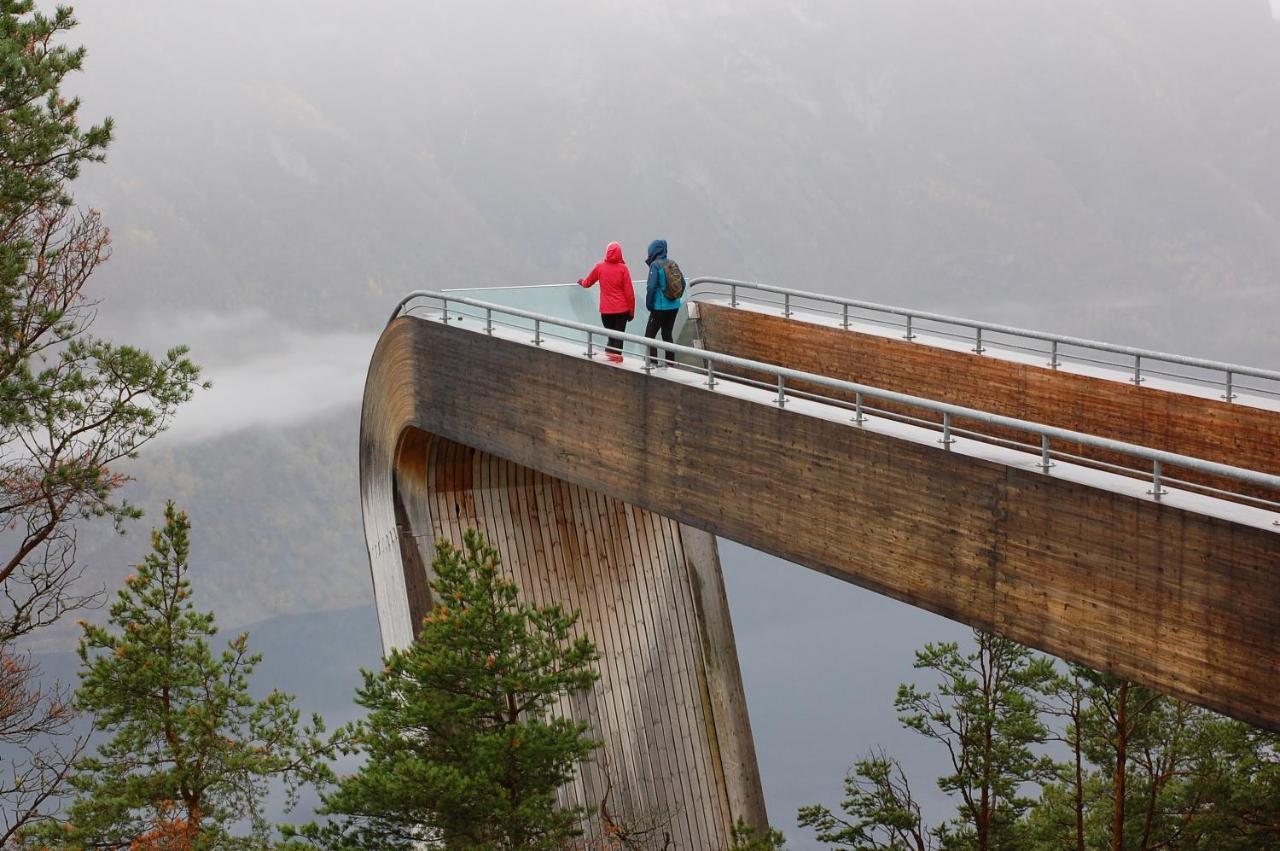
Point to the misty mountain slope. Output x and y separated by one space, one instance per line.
275 522
1087 167
318 162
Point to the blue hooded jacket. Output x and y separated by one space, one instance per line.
656 294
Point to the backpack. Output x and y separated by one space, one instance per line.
675 281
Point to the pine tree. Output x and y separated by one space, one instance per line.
1144 771
461 740
749 838
1228 795
1122 721
984 712
71 405
880 811
1150 771
190 752
1060 819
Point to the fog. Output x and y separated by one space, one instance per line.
284 171
1018 159
263 372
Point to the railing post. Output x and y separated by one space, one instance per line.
733 295
844 318
858 417
590 346
488 320
947 439
711 373
978 348
786 305
648 361
910 336
1230 396
782 391
1137 369
444 310
1045 462
1053 355
1156 490
537 332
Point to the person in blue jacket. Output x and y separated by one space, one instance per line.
662 310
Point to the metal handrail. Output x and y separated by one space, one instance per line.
1230 370
782 374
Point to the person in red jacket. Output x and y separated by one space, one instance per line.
617 296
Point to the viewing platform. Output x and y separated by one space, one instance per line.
1100 503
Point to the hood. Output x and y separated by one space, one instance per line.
613 254
657 251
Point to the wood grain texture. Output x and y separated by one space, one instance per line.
678 753
1178 601
1210 429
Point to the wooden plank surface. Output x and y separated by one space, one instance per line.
1178 601
625 570
1236 434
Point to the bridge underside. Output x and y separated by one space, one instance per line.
678 753
678 756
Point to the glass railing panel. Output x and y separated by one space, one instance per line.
560 301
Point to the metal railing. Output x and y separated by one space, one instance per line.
1060 347
714 368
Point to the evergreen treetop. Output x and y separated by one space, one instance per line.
190 753
465 741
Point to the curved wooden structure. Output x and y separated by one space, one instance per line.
604 487
1182 601
678 752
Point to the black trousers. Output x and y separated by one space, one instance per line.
614 322
664 321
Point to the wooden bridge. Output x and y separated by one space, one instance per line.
1107 505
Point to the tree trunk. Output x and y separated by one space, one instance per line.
1076 743
984 802
984 820
1122 744
1150 816
195 820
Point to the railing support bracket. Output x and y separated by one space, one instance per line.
1157 489
947 439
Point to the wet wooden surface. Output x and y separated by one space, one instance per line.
1211 429
1175 600
678 757
624 568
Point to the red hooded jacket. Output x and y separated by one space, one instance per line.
617 293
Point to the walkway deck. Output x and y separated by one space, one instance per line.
608 483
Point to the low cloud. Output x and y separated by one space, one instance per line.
293 161
264 374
